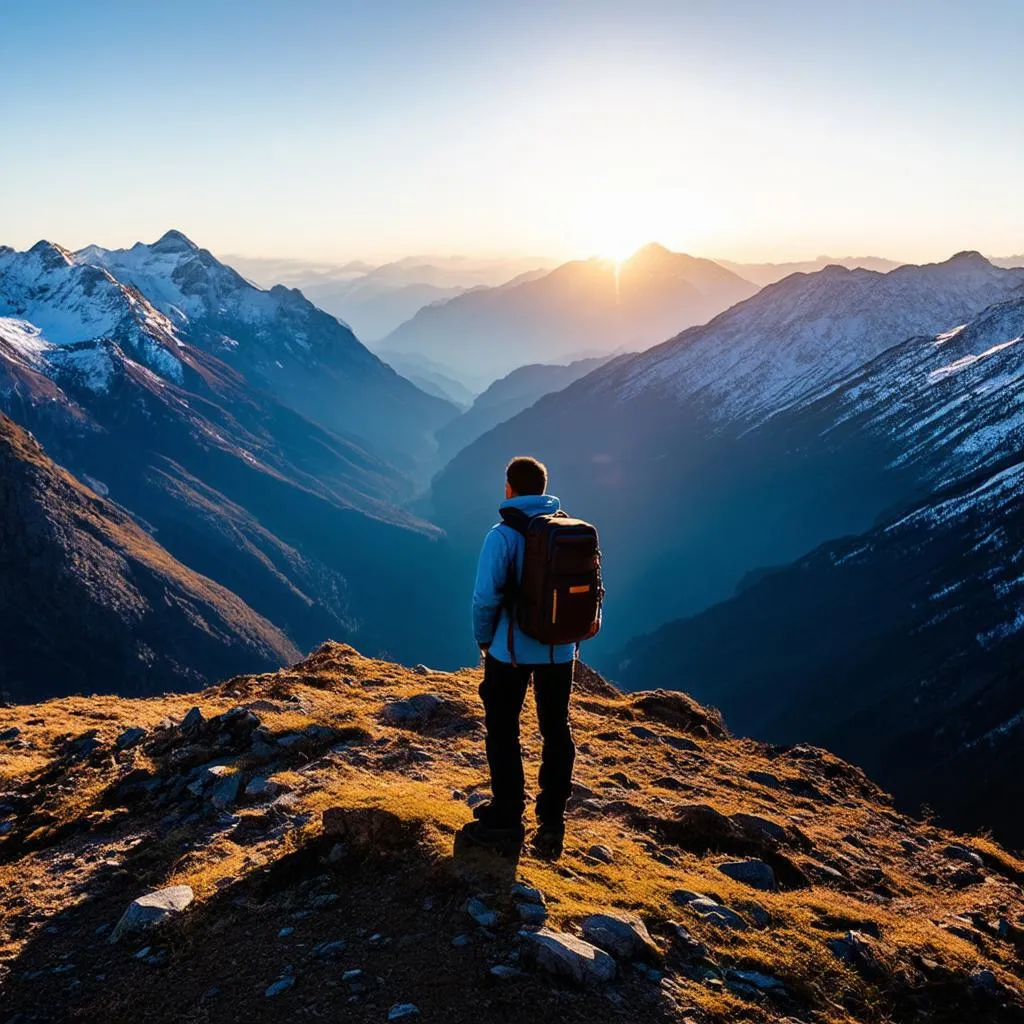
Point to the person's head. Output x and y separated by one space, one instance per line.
524 475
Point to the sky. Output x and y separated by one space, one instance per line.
322 129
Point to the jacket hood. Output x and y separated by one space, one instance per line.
533 504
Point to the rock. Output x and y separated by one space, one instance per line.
279 986
532 913
765 779
526 893
855 949
506 972
153 909
687 943
461 940
568 957
682 712
414 711
260 787
130 737
641 732
754 873
680 743
327 950
623 935
11 733
756 980
710 910
192 720
290 739
602 854
761 828
225 793
481 913
401 1011
285 932
956 852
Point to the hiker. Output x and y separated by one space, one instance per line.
537 595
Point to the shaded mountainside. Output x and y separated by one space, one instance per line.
300 522
719 452
313 814
282 343
897 647
583 308
508 397
900 649
87 597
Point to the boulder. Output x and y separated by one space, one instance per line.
565 956
420 710
152 909
192 721
481 913
131 737
754 873
602 854
623 935
225 793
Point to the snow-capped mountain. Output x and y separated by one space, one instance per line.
299 521
69 303
281 342
584 308
700 459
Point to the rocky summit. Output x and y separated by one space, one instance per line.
287 846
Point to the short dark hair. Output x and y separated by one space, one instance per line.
526 475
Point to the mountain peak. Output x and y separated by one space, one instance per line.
50 254
968 258
174 241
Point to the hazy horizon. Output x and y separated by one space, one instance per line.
335 131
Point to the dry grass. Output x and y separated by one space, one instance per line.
850 825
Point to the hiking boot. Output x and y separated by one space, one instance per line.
494 817
549 840
506 838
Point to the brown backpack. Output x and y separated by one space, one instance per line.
558 598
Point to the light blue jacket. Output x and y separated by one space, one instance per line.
502 548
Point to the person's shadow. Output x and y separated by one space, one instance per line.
499 862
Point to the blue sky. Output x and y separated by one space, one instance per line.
748 130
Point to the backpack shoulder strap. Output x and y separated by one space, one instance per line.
515 518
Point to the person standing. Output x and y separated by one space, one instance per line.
537 595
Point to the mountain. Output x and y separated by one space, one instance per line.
506 398
375 300
301 523
899 647
768 273
309 822
86 595
282 343
581 309
432 377
687 456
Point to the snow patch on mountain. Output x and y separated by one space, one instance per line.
781 347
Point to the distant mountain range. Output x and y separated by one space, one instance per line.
300 521
682 456
579 310
281 343
374 300
768 273
900 647
507 397
87 597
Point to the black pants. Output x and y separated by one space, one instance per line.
503 692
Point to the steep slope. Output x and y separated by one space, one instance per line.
330 883
281 342
88 599
900 647
300 522
508 397
703 458
584 308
